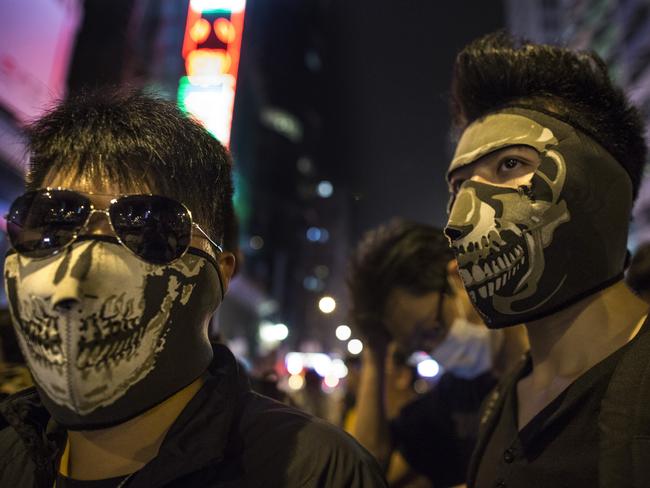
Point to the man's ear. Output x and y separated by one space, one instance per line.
227 264
453 278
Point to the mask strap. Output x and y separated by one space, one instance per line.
208 257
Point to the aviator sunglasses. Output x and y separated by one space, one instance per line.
157 229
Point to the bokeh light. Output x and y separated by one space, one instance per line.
331 381
327 304
296 382
325 189
343 332
355 346
256 243
428 368
224 30
294 363
200 31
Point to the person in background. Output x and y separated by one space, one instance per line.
638 274
542 183
115 269
14 374
349 400
406 296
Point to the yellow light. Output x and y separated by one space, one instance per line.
331 381
296 382
200 31
327 304
207 63
224 30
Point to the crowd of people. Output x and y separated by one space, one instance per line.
119 260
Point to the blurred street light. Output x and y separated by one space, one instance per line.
428 368
343 332
327 304
325 189
355 346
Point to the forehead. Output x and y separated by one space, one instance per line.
403 305
498 131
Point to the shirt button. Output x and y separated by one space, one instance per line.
500 484
508 456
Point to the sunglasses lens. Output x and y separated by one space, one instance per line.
158 229
42 222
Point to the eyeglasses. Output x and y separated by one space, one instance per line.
157 229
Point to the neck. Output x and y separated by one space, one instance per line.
569 342
127 447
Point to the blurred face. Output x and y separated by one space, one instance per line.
414 321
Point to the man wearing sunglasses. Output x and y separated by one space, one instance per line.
116 267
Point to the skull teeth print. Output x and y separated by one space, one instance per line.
109 335
41 333
495 273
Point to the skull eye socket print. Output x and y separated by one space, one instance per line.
517 239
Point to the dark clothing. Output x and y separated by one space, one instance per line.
65 482
436 433
558 447
227 436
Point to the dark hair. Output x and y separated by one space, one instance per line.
135 140
497 71
638 274
399 254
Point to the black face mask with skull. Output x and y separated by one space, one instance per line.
525 253
135 333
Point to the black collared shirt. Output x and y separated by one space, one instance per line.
559 447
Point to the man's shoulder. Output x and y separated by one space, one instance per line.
311 449
268 419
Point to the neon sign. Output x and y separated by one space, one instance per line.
211 50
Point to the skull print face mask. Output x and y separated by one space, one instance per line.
106 335
527 252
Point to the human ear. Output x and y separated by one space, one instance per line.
227 263
453 278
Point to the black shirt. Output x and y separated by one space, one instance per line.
65 482
437 432
227 436
559 447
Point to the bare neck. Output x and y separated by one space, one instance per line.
571 341
125 448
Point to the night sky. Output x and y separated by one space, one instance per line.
396 68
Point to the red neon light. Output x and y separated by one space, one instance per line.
188 43
234 48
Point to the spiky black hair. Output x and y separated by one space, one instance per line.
497 71
134 140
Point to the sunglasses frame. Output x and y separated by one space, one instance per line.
106 212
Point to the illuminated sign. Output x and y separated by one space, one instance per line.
211 50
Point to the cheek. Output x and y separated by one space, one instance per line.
37 277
